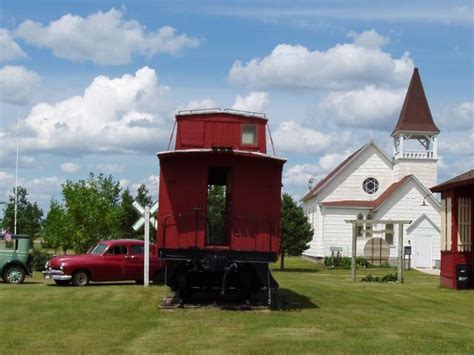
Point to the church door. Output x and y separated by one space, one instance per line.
422 251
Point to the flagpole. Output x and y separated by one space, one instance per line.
16 172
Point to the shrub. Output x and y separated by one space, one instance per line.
344 262
386 278
40 257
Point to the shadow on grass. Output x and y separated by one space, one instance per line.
283 299
289 300
304 270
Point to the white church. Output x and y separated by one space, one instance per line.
370 185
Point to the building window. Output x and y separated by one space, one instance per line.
368 226
389 233
446 224
370 185
464 224
249 134
359 228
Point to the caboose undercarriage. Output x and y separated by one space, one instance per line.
231 272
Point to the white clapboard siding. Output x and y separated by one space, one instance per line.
424 170
347 185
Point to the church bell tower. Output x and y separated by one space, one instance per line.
415 136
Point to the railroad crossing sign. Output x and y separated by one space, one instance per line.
146 220
141 221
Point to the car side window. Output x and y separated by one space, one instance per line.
136 249
117 250
11 245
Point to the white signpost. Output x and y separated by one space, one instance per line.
146 220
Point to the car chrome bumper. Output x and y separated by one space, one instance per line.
56 275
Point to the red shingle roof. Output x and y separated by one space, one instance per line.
374 204
458 181
415 115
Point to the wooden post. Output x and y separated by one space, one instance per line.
146 264
400 253
354 251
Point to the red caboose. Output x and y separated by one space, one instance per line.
219 198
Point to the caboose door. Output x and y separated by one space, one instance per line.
219 206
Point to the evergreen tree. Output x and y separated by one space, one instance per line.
296 231
29 215
128 215
143 197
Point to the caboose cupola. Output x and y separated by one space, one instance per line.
221 129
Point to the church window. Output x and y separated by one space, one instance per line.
370 185
389 233
368 226
359 227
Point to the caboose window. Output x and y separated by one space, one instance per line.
249 134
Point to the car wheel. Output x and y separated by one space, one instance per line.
80 278
14 274
62 282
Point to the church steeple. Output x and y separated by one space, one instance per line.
415 136
415 115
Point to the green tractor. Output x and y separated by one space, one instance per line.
15 261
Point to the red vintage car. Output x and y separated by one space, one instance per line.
109 260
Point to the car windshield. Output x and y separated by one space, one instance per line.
98 249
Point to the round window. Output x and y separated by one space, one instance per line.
370 185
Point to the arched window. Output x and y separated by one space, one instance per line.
368 226
389 233
359 228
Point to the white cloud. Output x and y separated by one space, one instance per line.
291 137
331 160
296 178
368 39
121 115
370 107
199 104
40 189
254 101
458 117
70 167
10 50
103 38
299 175
342 67
17 84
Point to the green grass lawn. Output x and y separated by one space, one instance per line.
339 316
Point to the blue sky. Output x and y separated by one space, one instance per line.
97 84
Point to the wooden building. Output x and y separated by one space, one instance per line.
457 229
371 185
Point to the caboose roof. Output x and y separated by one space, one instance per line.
220 151
221 112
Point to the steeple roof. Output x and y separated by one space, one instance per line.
415 115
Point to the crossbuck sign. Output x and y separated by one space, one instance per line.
146 220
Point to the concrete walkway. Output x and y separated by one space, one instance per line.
428 270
